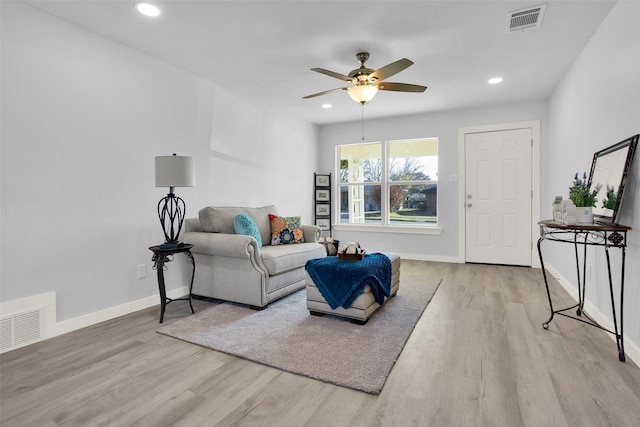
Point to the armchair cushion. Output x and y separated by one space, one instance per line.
219 219
282 258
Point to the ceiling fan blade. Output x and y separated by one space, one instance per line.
324 93
401 87
333 74
391 69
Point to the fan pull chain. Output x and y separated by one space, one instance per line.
363 121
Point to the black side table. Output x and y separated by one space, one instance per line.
162 256
603 235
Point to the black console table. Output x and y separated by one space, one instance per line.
607 236
160 257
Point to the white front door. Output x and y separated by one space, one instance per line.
498 193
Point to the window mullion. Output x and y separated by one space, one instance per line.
384 183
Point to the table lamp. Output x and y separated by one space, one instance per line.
173 171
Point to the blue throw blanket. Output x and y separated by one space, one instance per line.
340 281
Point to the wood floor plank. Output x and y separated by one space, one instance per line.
169 413
498 399
333 412
227 390
478 357
534 387
274 402
121 407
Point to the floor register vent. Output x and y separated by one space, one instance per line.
525 19
20 329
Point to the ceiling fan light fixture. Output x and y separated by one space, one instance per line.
362 93
367 82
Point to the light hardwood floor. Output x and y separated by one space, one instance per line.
477 357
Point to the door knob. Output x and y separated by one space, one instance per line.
468 205
468 196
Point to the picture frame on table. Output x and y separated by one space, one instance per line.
322 180
323 195
324 224
323 209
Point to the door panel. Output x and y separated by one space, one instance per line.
498 197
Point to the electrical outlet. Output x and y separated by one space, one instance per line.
142 271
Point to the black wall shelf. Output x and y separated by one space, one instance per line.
322 202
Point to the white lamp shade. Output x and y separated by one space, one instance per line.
175 171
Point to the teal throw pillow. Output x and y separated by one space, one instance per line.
243 224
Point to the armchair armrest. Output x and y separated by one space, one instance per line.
220 244
311 233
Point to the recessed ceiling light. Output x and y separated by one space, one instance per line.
495 80
148 9
327 106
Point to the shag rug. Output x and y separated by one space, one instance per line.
327 348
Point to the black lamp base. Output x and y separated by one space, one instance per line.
171 211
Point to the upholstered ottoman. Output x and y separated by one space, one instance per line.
365 304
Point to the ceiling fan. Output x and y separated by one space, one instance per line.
365 82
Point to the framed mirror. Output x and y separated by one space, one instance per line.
609 169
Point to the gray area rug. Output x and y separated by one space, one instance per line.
327 348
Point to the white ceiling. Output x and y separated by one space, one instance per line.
263 50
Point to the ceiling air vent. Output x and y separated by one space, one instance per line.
525 19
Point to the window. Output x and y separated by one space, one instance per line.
390 183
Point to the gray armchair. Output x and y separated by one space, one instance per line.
232 267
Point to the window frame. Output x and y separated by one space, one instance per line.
385 225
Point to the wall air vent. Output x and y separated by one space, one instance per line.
19 329
525 19
27 320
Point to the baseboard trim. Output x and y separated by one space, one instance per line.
434 258
113 312
50 328
631 349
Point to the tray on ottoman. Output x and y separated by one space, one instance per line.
365 304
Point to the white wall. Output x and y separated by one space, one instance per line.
597 105
443 125
82 119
